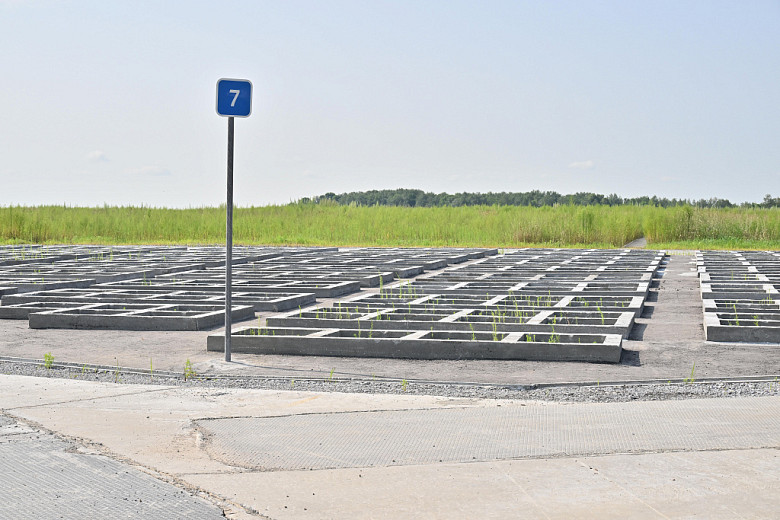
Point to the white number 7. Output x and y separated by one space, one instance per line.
236 92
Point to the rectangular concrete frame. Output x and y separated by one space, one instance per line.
27 286
724 291
635 306
22 311
707 277
262 302
769 305
747 333
738 287
333 290
622 326
366 279
67 319
101 273
583 289
411 347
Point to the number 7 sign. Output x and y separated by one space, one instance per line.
234 97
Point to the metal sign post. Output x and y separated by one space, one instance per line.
234 99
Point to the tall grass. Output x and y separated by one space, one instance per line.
329 224
710 228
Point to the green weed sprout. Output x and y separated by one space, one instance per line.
48 359
691 379
554 338
189 372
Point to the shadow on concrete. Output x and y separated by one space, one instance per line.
637 331
630 358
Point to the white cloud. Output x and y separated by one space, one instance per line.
582 165
152 171
97 156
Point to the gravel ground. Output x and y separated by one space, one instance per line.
608 392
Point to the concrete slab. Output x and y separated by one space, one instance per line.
509 431
44 476
157 429
713 485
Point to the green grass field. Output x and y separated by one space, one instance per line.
469 226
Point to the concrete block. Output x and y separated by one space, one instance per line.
422 344
137 317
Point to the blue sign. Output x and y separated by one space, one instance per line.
234 97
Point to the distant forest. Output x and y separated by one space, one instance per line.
419 198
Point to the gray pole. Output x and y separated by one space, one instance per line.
229 243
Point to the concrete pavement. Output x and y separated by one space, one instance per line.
454 458
44 476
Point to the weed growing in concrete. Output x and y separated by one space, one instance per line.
404 383
48 359
691 379
189 372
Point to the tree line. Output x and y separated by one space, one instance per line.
418 198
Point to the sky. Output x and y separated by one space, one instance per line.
114 102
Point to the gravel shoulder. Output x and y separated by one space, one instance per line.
576 392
